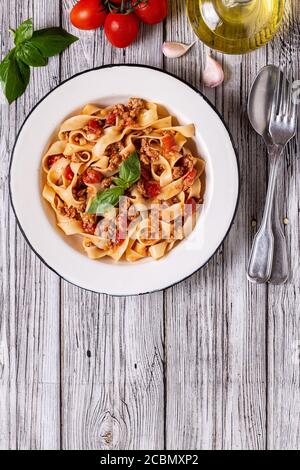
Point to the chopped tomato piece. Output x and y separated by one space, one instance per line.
89 228
94 127
190 177
69 175
92 176
152 188
169 143
53 159
111 119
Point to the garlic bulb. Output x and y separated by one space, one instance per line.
213 74
173 50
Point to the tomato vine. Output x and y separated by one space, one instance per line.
126 6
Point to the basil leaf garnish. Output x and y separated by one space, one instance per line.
105 200
24 32
129 173
14 76
119 182
30 55
130 170
32 49
52 41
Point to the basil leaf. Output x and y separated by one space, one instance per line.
24 71
52 41
121 183
24 32
130 169
32 49
14 77
30 55
105 200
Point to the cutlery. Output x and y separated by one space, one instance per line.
273 114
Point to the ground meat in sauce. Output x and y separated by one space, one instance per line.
113 152
178 172
145 159
148 151
70 212
80 194
115 148
105 183
188 162
88 218
115 162
141 188
89 222
127 114
186 165
135 106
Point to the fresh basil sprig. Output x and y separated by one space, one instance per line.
32 49
105 200
129 173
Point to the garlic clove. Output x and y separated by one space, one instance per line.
173 50
213 74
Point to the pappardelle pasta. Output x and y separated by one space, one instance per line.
123 179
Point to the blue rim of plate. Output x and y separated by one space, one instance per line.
180 80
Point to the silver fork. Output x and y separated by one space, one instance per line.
282 129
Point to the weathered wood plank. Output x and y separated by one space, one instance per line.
231 349
243 349
215 320
7 295
29 377
284 302
190 324
112 370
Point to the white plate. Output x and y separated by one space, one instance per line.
108 85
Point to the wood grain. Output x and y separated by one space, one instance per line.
212 363
284 302
114 398
213 331
30 345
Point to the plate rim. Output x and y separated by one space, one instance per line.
157 69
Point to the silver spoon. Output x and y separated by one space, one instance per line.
268 259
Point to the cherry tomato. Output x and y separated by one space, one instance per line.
120 29
88 14
111 119
190 177
153 11
152 188
169 143
53 159
92 176
69 175
94 127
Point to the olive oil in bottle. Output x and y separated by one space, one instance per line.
235 26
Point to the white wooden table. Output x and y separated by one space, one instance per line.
211 363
